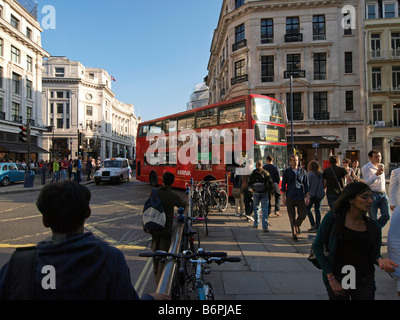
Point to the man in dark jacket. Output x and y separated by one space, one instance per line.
84 267
295 194
161 240
261 184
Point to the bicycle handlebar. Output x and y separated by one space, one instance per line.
203 254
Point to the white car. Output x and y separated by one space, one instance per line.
113 170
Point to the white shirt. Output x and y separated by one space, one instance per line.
376 183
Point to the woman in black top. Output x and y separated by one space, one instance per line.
353 241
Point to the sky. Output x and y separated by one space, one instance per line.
157 50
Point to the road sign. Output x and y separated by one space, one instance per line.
315 145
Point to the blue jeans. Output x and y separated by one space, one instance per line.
263 199
381 201
317 208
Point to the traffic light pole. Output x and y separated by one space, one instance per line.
29 145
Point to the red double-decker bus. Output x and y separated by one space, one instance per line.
209 142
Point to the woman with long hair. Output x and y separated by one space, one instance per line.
317 194
353 243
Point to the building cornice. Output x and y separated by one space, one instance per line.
23 39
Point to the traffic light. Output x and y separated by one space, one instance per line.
23 134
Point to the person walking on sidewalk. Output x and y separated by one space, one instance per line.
237 193
335 178
316 192
351 238
273 171
374 176
295 194
261 184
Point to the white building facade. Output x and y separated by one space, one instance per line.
82 114
21 56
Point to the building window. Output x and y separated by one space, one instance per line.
1 77
15 55
239 33
29 33
371 11
388 10
319 27
60 123
352 134
60 108
28 89
396 115
60 94
267 68
376 79
14 22
395 44
377 113
16 80
321 106
348 62
349 101
59 72
297 114
1 47
29 63
375 45
319 66
267 31
292 25
28 113
14 110
89 110
347 17
396 78
293 62
238 3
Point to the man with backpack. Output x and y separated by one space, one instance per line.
261 185
295 194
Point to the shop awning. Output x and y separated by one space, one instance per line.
332 141
13 147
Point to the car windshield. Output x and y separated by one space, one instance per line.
112 164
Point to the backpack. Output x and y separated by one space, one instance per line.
259 184
154 217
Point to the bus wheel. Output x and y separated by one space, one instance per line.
153 179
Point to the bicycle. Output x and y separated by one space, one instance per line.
217 197
189 280
197 205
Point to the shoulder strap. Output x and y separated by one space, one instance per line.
337 181
20 281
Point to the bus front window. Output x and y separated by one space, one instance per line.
278 152
267 110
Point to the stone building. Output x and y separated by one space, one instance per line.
21 56
258 45
82 114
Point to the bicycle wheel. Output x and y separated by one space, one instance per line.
223 200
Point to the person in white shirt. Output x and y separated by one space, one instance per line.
394 188
374 175
393 243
